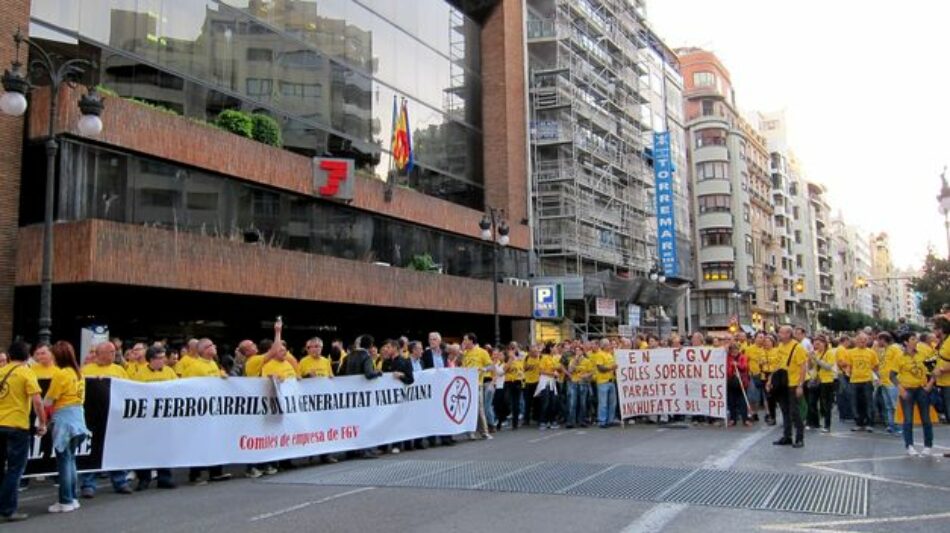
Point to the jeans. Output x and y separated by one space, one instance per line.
812 398
791 415
14 447
547 401
737 408
826 395
944 393
890 405
578 395
921 399
488 396
66 468
863 396
845 402
513 393
530 405
117 477
606 403
771 401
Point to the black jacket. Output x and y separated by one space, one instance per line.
427 359
400 364
360 362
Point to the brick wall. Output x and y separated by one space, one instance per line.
13 14
503 103
109 252
137 128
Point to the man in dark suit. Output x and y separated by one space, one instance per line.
360 362
401 368
435 357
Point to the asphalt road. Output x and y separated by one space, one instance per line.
904 493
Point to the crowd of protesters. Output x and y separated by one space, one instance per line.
867 375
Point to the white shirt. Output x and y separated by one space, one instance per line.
437 361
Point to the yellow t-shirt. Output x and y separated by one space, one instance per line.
794 363
318 366
200 368
112 370
754 354
514 370
43 371
134 367
184 361
66 388
911 370
863 361
602 358
549 363
644 345
943 363
532 370
772 361
252 368
280 369
583 367
15 404
892 356
829 358
477 357
147 375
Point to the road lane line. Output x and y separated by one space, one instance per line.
658 516
303 505
856 522
857 460
586 479
872 477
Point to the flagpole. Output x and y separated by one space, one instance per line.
391 171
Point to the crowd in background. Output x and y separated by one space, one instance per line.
867 376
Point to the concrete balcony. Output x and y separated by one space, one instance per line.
717 254
714 220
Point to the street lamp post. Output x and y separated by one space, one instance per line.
658 277
13 102
944 200
495 229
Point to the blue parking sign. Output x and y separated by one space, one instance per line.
548 302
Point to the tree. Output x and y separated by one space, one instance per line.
933 284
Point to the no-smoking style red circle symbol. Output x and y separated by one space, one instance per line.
457 399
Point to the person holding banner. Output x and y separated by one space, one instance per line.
474 356
603 360
914 384
65 397
22 393
205 366
156 369
787 383
737 382
102 366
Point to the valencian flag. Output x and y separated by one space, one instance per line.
401 147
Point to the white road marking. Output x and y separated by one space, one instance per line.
858 460
658 516
555 433
856 522
872 477
303 505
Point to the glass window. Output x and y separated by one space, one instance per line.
715 237
715 202
710 137
712 170
704 79
718 271
717 305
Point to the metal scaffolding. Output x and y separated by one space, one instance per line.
590 182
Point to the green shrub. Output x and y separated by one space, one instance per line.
237 122
266 130
423 263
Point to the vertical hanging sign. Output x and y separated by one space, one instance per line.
665 219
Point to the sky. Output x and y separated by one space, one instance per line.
863 84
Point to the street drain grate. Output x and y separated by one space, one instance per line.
798 493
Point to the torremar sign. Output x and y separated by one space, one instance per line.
333 178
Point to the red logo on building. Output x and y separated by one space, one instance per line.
457 399
333 178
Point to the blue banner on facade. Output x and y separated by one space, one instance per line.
665 219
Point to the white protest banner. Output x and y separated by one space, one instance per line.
209 421
672 381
